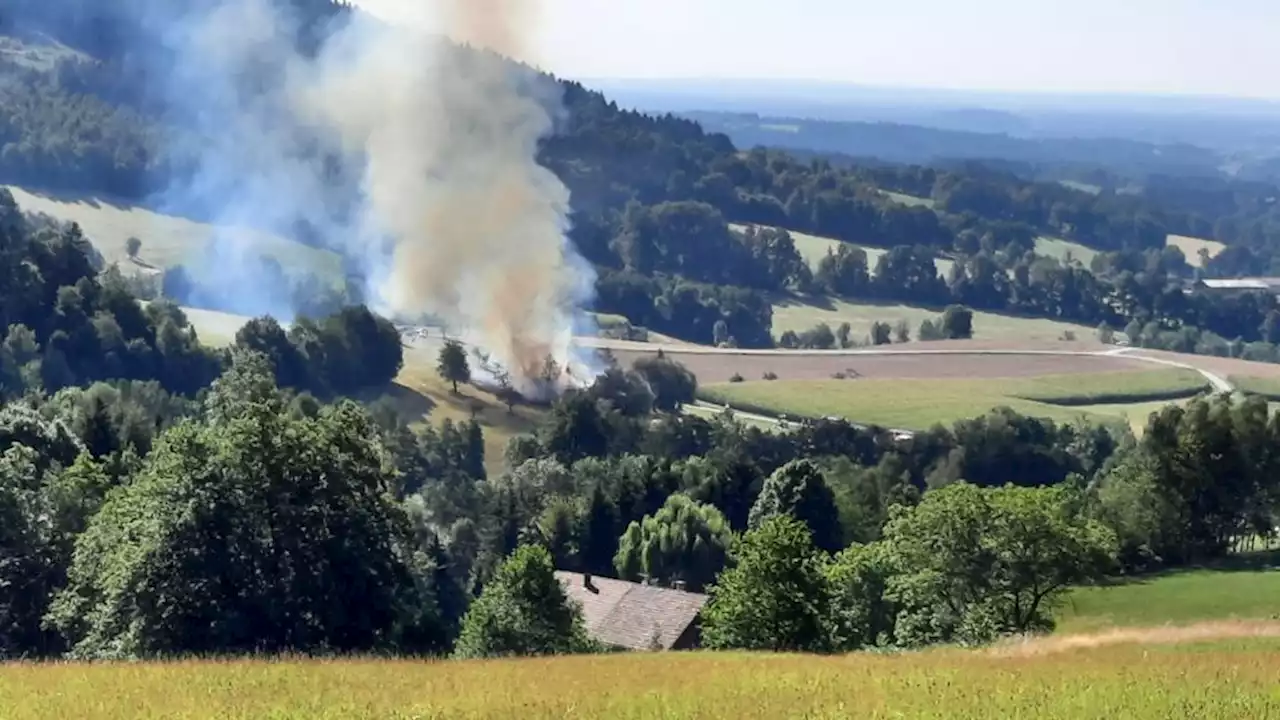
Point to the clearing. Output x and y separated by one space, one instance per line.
1064 249
813 248
1197 679
799 313
1081 186
909 200
1191 248
919 404
167 240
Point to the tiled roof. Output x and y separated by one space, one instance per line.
630 615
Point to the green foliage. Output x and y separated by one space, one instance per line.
453 365
670 382
685 542
252 531
774 595
523 611
971 563
799 490
861 615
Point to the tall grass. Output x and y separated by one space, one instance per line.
1117 681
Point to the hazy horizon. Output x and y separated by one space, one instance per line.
1173 48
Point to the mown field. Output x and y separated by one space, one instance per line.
910 200
1191 247
1243 587
1267 387
800 314
918 404
1201 680
1063 249
167 240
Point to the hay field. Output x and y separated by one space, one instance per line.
909 200
1191 247
1062 249
1133 679
802 313
167 240
918 404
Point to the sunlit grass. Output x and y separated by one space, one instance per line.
918 404
1129 681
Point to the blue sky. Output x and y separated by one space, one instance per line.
1218 47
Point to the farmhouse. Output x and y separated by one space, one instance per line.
631 616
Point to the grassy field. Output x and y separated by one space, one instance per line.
421 393
1135 413
911 200
1130 681
813 248
1268 388
919 404
1081 186
1191 247
800 314
1062 249
1244 587
167 240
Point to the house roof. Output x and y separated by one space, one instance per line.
631 615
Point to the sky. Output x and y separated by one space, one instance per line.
1179 47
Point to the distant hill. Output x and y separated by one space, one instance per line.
913 144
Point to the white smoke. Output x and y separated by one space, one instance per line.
457 219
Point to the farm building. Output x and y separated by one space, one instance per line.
632 616
1233 286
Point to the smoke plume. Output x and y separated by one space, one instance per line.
450 137
448 214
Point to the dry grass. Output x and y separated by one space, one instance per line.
1216 630
167 240
1129 681
1191 247
909 200
428 397
1063 249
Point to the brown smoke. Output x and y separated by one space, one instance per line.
450 137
